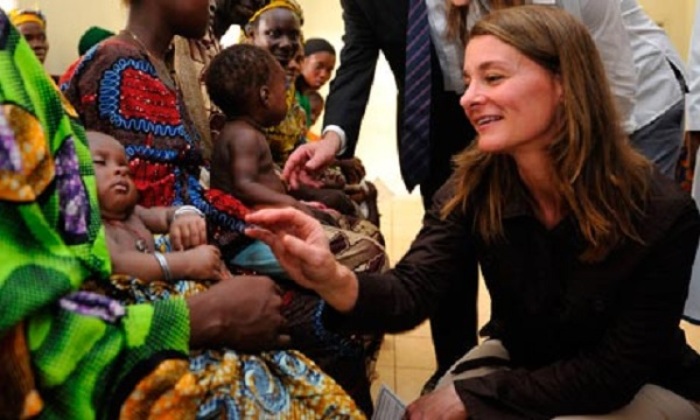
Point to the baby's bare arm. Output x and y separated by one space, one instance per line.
156 219
251 170
199 263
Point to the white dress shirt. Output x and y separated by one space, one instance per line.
692 100
657 88
692 106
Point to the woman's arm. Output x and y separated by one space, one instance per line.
394 301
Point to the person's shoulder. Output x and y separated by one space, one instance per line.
239 134
100 57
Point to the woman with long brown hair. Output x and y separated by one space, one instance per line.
646 73
585 248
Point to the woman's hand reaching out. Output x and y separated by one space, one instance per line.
301 247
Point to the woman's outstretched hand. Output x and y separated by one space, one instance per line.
302 249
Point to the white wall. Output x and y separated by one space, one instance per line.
676 17
68 20
8 5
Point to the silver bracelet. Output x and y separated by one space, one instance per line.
164 267
187 209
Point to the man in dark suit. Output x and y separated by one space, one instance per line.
370 27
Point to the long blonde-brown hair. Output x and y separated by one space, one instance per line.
457 16
602 181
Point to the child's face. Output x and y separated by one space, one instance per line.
116 190
317 69
279 32
277 97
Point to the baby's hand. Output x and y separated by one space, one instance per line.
188 230
315 205
206 263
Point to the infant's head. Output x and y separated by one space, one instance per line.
246 81
116 190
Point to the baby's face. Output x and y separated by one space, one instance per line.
277 102
116 190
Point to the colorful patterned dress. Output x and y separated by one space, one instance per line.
66 353
116 90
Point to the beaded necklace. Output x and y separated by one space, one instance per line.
139 241
161 68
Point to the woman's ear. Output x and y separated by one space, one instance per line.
249 31
264 95
559 86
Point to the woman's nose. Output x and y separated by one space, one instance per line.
285 42
470 97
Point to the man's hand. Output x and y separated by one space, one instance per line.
307 161
243 314
441 404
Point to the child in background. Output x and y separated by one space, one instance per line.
129 228
316 70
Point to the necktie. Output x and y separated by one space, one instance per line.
414 150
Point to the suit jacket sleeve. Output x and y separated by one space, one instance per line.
349 91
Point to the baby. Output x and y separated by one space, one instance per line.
129 227
248 85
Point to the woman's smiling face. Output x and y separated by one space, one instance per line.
513 102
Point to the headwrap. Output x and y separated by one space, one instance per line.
91 37
277 4
19 17
316 45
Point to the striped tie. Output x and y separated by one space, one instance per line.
414 150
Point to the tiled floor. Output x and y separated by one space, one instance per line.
406 360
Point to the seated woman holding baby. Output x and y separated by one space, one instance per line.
124 89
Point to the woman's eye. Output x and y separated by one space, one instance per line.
493 78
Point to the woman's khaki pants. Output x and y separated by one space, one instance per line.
651 402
